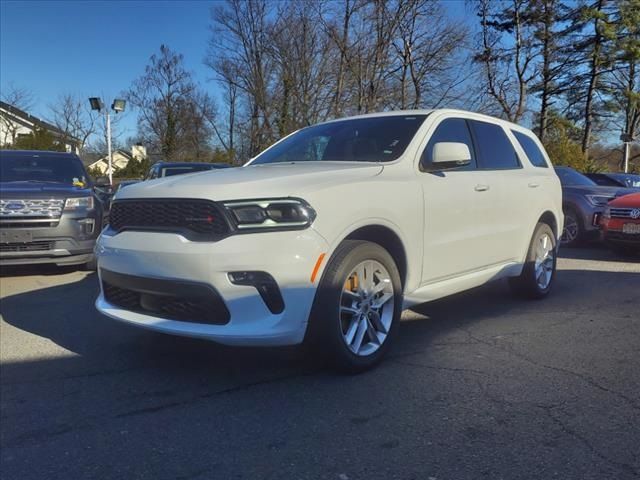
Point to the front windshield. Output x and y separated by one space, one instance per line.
41 168
568 176
629 179
372 139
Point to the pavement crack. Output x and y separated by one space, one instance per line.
585 441
585 378
436 367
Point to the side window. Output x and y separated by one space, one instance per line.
450 130
536 157
495 151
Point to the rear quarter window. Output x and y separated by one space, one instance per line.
528 144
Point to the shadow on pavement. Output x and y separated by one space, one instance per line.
137 404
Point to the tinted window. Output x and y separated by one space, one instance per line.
528 144
450 130
374 139
42 167
568 176
494 149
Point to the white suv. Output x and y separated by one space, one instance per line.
328 234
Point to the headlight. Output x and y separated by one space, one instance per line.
271 213
80 203
599 200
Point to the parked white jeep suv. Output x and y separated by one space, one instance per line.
328 234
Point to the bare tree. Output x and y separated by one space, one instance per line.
508 65
17 97
72 115
170 117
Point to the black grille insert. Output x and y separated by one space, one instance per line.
170 299
38 246
195 219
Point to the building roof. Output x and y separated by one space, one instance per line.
26 119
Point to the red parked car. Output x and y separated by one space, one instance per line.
621 223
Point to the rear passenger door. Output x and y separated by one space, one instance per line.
506 219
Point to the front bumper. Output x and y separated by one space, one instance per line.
289 257
612 229
69 240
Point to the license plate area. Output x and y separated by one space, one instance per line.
8 236
631 228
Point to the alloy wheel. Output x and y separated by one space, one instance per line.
544 262
366 307
570 230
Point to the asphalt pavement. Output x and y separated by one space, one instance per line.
479 386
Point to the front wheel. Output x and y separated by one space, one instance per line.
357 307
539 269
572 231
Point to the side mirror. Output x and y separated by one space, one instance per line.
102 182
449 155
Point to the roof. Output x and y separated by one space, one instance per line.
26 119
425 112
38 153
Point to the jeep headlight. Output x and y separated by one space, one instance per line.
78 203
276 213
599 200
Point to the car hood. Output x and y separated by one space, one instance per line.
598 190
253 181
22 190
628 201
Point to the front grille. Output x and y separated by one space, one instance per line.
19 208
621 212
196 219
38 246
170 299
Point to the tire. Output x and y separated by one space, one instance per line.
539 271
572 231
347 327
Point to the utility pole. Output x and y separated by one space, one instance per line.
627 138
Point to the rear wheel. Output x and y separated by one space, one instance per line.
539 269
357 307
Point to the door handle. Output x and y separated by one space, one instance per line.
534 185
481 188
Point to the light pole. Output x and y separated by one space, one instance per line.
627 138
117 106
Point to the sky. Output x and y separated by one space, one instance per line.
97 48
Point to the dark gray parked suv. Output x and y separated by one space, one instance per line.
583 202
50 212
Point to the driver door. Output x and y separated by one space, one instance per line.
455 209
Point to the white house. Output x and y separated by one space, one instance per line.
15 123
119 159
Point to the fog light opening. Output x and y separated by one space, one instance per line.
264 284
